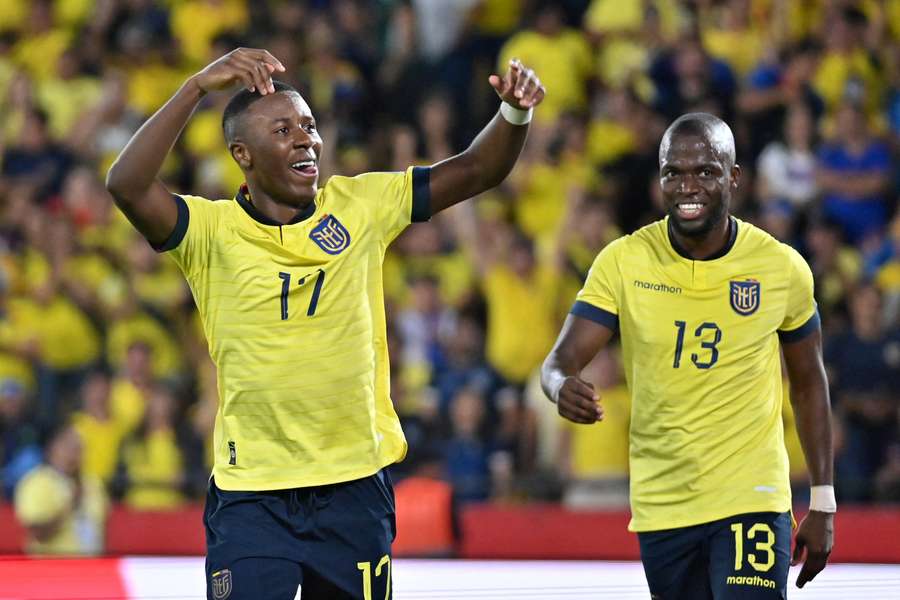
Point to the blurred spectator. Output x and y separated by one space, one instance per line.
20 449
561 55
467 457
36 158
688 79
847 72
159 462
863 365
777 84
836 267
786 169
100 433
594 458
63 510
132 385
854 172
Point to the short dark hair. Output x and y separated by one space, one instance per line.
240 102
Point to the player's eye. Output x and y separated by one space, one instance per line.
706 173
282 130
310 127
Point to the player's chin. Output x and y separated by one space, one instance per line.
305 191
689 227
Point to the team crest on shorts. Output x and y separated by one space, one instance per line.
744 296
330 235
221 584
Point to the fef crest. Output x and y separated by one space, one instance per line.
330 235
221 584
744 296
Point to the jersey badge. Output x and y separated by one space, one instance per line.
221 584
330 235
744 296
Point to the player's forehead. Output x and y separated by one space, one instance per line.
685 149
281 106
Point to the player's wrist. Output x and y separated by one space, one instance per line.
516 116
821 499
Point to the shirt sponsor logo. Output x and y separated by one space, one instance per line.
330 235
656 287
744 296
756 580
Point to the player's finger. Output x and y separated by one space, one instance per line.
538 96
806 574
576 415
261 76
245 68
534 94
578 407
799 544
530 85
526 79
265 56
497 83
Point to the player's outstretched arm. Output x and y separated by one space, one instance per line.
809 398
132 179
578 342
491 155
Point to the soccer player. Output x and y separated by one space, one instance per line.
287 279
703 302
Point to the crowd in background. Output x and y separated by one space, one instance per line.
106 388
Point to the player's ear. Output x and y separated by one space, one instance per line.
241 154
736 172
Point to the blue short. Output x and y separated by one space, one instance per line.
746 556
333 540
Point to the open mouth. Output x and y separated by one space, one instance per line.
305 168
690 210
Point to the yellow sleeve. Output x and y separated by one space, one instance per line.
189 242
397 199
801 317
600 298
40 498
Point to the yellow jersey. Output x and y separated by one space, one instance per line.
700 344
295 322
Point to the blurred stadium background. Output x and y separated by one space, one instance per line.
107 394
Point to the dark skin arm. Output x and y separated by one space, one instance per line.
133 178
491 155
578 343
809 398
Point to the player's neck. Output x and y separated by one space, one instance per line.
713 244
271 210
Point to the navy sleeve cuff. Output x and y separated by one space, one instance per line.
181 226
597 315
795 335
421 191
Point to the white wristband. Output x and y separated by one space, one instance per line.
514 115
821 498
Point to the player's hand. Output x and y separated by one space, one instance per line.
816 536
577 401
250 67
519 87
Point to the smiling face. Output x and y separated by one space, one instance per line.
697 180
278 147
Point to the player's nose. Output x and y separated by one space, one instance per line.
687 185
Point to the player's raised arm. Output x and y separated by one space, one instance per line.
809 398
578 342
491 155
132 179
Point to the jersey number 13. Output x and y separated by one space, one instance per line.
707 342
